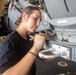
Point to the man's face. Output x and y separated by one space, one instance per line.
33 21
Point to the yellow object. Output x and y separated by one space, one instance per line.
62 64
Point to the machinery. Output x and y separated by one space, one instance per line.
62 15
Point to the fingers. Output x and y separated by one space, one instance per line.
53 34
31 37
44 35
50 35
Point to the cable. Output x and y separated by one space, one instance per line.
66 5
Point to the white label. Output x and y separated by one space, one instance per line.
62 21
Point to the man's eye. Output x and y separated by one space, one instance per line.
35 19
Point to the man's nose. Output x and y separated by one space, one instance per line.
38 23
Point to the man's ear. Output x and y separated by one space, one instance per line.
24 16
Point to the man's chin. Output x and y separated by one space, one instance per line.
32 31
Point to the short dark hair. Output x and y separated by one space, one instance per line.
28 10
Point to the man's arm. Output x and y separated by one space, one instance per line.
23 67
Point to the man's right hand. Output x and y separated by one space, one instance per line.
39 41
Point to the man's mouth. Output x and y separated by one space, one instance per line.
34 28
